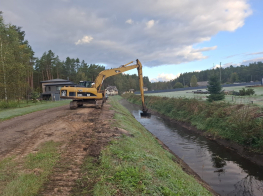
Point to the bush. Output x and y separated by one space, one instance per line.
10 104
244 92
178 85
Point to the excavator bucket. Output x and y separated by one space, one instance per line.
145 114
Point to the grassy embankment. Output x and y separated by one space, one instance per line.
26 176
135 165
26 108
236 122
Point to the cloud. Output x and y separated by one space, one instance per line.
150 24
205 49
247 62
255 53
130 21
164 77
162 32
231 56
86 39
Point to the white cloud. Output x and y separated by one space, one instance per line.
162 32
86 39
150 24
255 53
130 21
246 62
205 49
164 77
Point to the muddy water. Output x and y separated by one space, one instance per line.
226 172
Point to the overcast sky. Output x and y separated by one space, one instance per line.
169 37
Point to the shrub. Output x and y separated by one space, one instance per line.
244 92
215 89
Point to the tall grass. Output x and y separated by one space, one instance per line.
237 122
9 104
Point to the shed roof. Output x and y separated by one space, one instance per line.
59 83
54 80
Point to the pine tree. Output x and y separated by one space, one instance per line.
193 82
215 89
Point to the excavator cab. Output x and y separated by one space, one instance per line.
86 84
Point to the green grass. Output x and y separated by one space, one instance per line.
134 165
28 177
10 113
257 98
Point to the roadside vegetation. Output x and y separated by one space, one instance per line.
26 108
134 164
25 176
239 123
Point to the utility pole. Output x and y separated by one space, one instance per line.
220 72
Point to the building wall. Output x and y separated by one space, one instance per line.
202 83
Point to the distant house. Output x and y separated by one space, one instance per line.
51 88
145 89
131 91
202 83
111 90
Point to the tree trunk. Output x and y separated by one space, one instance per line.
3 71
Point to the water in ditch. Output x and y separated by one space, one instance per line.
225 171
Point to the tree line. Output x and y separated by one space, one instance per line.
231 74
49 67
16 62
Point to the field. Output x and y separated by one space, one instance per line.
257 98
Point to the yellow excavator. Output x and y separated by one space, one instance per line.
90 93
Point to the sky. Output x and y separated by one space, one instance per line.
169 37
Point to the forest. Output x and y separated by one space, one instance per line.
21 72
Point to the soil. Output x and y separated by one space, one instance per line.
82 132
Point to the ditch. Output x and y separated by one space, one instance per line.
225 171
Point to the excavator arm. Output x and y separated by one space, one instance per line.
111 72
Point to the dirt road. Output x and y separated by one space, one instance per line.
82 132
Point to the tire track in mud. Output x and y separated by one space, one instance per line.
67 170
92 136
17 133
